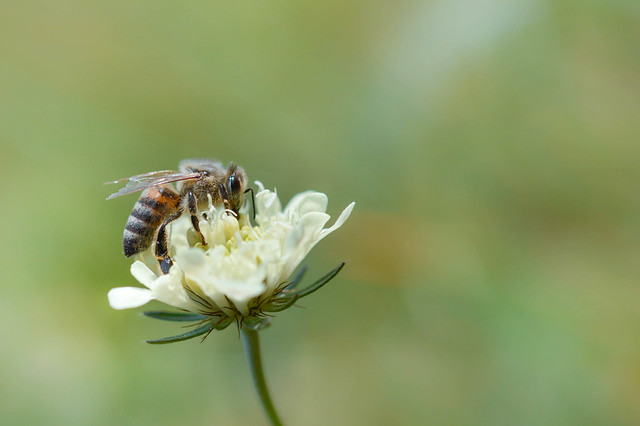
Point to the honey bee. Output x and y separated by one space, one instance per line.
160 204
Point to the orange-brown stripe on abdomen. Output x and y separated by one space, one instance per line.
154 205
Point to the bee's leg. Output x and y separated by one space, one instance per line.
225 196
193 209
162 249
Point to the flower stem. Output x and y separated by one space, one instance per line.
252 348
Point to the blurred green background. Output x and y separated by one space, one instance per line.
493 256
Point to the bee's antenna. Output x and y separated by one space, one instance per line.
253 202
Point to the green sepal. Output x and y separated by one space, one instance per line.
256 323
221 325
185 336
322 281
281 303
174 316
297 278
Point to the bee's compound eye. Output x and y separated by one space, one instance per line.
234 183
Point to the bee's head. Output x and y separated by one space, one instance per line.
235 184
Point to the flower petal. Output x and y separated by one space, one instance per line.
340 221
267 205
168 289
305 202
313 222
192 260
143 274
128 297
241 291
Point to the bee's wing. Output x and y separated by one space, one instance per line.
150 175
147 180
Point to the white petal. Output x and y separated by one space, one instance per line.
192 260
292 241
340 221
148 259
196 265
143 274
269 199
178 232
267 205
168 289
129 297
305 202
241 291
314 220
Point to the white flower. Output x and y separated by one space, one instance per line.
241 267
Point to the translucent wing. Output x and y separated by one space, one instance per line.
147 180
150 175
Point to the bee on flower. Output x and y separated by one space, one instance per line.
226 269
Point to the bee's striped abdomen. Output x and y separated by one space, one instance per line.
154 205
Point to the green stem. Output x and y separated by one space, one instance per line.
252 348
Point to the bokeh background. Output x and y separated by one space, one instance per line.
493 256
